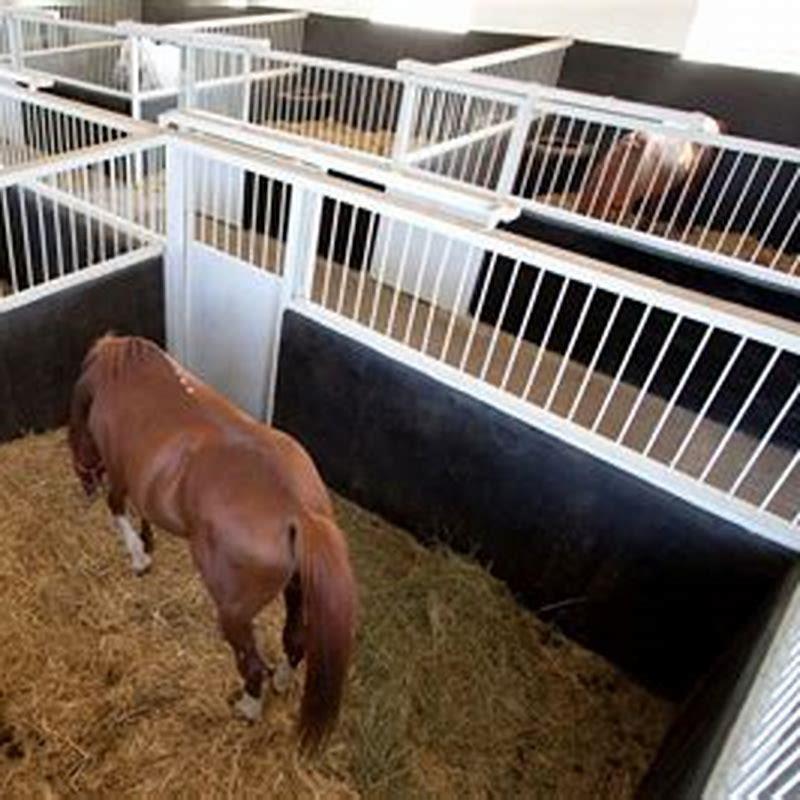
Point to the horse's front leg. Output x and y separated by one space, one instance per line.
134 543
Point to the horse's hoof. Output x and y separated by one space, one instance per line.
282 677
142 566
248 707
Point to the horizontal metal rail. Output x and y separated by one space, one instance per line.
511 54
84 275
136 144
245 19
475 204
167 34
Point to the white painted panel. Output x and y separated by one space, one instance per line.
223 191
232 319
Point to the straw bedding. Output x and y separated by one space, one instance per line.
117 686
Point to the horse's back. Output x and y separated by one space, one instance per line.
154 422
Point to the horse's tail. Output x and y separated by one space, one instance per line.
84 455
329 609
85 458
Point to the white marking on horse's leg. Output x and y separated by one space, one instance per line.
282 677
140 561
249 707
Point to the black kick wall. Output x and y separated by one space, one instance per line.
655 584
43 342
695 740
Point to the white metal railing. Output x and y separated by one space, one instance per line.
467 202
349 106
534 63
77 215
733 203
654 177
285 31
761 755
135 63
34 126
699 397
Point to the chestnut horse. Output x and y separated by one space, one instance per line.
250 503
643 166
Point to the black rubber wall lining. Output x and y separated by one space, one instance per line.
43 342
655 584
695 740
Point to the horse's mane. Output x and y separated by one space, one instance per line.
111 357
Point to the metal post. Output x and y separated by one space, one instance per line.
299 259
176 284
247 90
135 82
405 121
188 76
135 85
516 145
15 43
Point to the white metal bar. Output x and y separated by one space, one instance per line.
565 282
765 440
676 393
609 326
233 22
620 371
779 483
442 147
501 314
745 407
510 54
643 392
567 357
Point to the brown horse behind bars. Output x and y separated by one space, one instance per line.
248 500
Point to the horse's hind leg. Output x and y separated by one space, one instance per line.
140 559
239 635
147 537
293 635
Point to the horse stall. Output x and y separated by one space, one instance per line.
619 466
660 192
127 68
